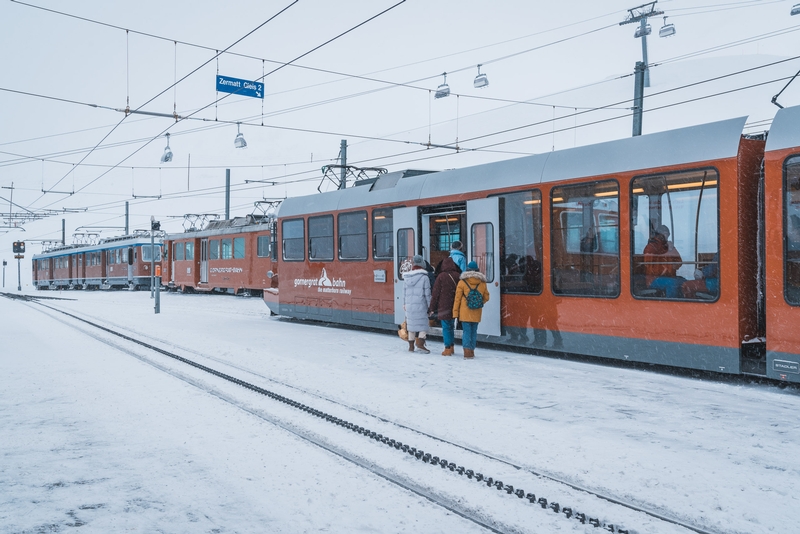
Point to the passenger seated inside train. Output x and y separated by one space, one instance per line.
662 261
706 281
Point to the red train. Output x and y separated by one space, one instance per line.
117 262
679 248
231 256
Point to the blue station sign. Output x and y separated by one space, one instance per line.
226 84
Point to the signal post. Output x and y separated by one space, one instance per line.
19 254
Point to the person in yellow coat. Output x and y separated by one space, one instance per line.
471 295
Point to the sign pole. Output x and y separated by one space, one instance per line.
19 275
4 273
152 257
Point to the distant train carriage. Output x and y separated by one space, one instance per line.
57 269
642 249
232 256
782 245
116 262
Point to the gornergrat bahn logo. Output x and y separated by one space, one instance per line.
324 284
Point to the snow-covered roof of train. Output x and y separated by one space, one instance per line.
785 129
104 244
236 225
706 142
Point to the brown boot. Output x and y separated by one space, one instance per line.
448 351
410 345
421 346
469 354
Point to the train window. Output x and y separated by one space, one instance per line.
791 226
521 242
238 248
382 247
353 236
213 249
293 244
584 239
177 251
482 249
263 246
147 253
405 251
675 236
320 238
225 249
189 250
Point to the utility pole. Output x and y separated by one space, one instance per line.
127 220
63 232
638 97
640 14
343 152
154 226
227 194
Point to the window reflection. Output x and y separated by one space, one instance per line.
293 244
521 242
791 225
320 238
585 239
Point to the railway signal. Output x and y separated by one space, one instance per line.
19 251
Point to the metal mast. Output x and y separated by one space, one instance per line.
640 14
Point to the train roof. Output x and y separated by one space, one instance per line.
784 132
237 225
104 244
706 142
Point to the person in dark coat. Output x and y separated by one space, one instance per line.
442 298
416 301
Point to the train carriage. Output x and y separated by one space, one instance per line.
231 256
57 269
782 245
117 262
569 242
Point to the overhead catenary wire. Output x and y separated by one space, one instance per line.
243 187
315 177
771 34
271 72
175 84
386 139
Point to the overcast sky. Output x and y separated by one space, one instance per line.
373 86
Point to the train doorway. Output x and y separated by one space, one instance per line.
430 231
204 261
441 226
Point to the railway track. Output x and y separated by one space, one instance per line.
442 478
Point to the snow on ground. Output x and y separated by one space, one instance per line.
94 437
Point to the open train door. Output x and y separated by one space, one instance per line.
404 221
483 223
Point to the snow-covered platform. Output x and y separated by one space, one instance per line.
95 434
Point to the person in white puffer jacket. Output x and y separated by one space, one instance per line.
416 299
